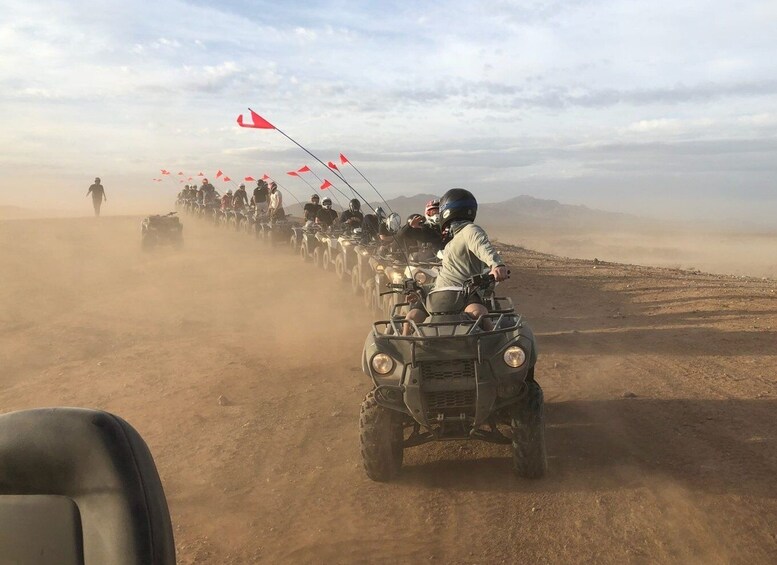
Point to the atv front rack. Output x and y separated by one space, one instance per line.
455 329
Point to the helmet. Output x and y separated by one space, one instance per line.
432 212
355 205
380 213
186 186
242 185
457 204
314 198
229 192
326 202
412 217
204 181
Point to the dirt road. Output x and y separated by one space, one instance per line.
661 390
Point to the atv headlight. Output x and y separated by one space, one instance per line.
397 278
420 277
382 364
379 268
514 356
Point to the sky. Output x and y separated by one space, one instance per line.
658 108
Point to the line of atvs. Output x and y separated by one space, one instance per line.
448 378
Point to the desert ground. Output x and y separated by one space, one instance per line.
661 391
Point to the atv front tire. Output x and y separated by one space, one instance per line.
356 283
317 257
380 438
340 267
528 427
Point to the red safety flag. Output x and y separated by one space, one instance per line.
226 179
190 178
257 122
266 177
180 173
292 174
180 180
165 172
219 173
326 184
343 159
331 165
304 169
249 178
200 174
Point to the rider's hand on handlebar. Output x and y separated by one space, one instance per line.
500 273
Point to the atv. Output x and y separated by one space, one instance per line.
361 272
452 379
328 247
161 229
346 255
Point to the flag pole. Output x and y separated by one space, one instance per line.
286 189
323 164
368 182
340 192
313 188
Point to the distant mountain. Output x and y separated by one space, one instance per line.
528 211
521 211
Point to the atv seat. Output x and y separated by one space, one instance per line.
79 487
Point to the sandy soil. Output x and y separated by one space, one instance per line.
722 251
661 389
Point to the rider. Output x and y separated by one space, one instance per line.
226 201
468 253
240 198
416 233
352 217
311 208
325 217
208 192
432 214
259 196
275 209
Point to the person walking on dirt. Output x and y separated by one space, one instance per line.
468 253
98 195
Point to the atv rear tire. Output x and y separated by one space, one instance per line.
528 427
380 439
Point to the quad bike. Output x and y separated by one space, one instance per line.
328 247
308 240
277 232
452 380
245 220
362 272
346 255
161 229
